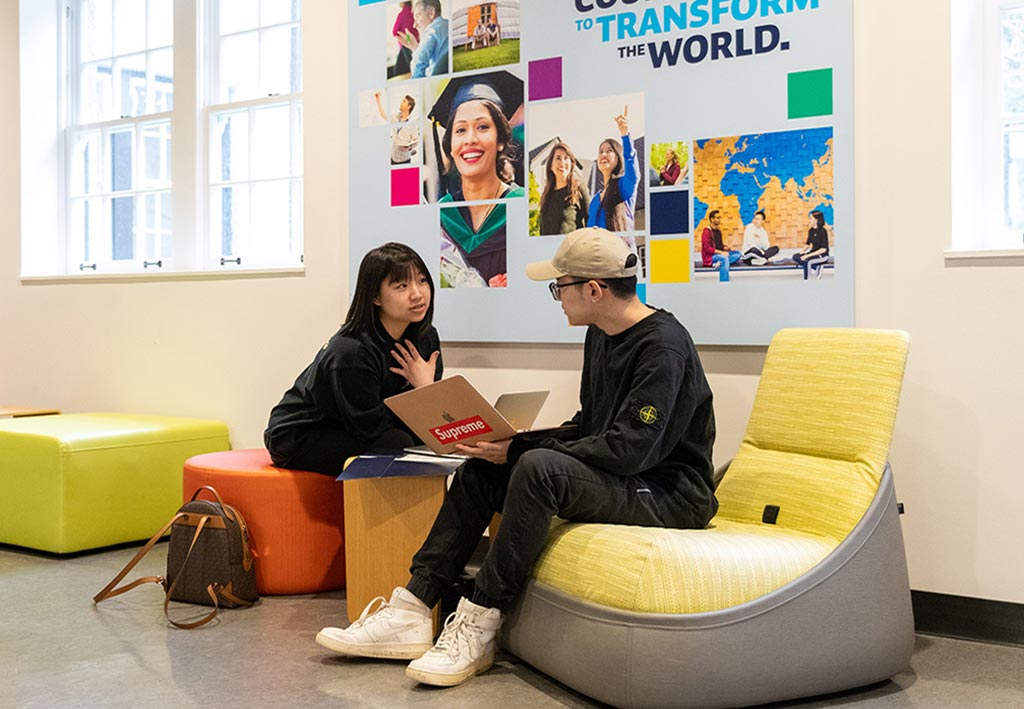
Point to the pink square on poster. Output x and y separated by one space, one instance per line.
405 187
545 78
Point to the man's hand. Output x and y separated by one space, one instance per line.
408 39
494 452
416 370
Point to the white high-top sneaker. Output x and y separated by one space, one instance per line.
400 629
465 648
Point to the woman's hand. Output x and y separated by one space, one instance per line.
416 370
622 121
494 452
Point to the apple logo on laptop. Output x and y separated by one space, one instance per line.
447 417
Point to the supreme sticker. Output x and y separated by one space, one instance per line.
460 430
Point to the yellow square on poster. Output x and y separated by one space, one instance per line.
670 260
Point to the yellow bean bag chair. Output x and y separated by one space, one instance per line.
798 586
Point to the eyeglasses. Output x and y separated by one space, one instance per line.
556 287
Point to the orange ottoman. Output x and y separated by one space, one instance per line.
295 518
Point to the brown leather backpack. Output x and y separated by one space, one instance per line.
209 560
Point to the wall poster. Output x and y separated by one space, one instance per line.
715 136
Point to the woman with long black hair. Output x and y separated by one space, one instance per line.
815 252
612 207
335 409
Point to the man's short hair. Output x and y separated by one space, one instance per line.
712 214
434 5
621 287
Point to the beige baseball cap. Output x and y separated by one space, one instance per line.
591 252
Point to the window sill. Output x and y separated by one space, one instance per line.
971 259
170 276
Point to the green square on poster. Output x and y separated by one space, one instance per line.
810 93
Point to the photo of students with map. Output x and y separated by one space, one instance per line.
787 174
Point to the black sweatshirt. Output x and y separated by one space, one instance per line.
646 411
345 386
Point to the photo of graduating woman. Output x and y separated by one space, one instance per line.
476 158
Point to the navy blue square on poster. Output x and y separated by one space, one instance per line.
670 212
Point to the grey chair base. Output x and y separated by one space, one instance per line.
846 623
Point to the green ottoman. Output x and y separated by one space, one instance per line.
82 481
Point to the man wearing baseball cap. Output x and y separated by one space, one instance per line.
638 452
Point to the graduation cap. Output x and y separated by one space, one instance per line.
500 87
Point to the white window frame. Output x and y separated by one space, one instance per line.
212 257
46 112
979 234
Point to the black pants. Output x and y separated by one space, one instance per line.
543 484
754 252
325 449
809 262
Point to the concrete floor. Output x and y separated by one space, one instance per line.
58 649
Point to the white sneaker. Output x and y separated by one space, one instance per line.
465 648
400 629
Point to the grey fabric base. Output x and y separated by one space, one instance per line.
846 623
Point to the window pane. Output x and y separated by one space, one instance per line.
86 164
94 31
280 70
229 147
1013 176
95 92
271 145
130 75
129 26
1013 60
122 221
166 234
296 219
156 225
271 219
121 160
238 15
297 166
161 81
273 12
239 55
161 23
85 226
229 220
156 156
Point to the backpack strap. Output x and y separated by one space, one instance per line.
209 589
226 593
229 512
109 591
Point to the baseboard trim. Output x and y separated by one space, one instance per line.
968 618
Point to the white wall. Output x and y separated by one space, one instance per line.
227 349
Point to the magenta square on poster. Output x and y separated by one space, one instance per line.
546 78
405 187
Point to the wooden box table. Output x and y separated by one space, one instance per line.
386 521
